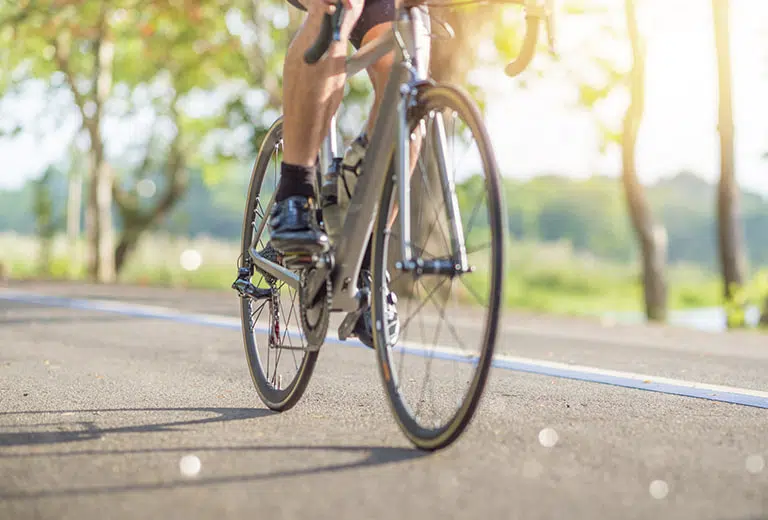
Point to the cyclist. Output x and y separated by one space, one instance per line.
311 96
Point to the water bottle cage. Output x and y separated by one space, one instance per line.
352 169
329 189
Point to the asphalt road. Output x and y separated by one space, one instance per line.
100 412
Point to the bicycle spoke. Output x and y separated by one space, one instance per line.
436 390
279 384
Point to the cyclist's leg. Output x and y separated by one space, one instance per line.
376 22
311 95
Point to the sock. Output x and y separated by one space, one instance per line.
295 180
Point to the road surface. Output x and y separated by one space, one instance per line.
123 402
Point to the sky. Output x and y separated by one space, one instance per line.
540 130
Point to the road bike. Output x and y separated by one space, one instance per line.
456 259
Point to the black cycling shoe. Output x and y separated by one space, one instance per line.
294 228
364 326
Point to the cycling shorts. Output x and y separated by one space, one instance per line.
375 12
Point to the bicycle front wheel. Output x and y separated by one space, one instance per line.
436 370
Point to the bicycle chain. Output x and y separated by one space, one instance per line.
274 304
316 334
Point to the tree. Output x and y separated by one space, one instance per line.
595 55
71 45
730 233
137 217
652 238
106 55
181 52
89 29
74 212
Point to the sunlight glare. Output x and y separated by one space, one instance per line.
548 437
658 489
189 465
191 260
755 464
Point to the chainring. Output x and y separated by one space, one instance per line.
315 318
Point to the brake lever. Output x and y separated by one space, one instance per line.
330 31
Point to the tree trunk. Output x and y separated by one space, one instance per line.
74 210
101 184
730 234
764 315
651 237
98 211
101 262
128 242
137 221
99 214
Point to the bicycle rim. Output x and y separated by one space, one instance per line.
407 402
279 386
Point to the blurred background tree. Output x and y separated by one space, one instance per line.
652 238
162 105
606 76
733 262
127 66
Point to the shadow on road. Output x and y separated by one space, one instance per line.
55 433
374 456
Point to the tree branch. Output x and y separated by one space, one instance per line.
61 47
175 168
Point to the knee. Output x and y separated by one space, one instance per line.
379 73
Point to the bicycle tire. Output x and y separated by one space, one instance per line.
432 98
274 398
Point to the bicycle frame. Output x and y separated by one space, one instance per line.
389 140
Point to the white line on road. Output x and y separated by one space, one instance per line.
728 394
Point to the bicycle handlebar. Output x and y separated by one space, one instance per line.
528 49
330 32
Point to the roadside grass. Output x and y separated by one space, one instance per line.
548 278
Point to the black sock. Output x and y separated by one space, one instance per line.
295 180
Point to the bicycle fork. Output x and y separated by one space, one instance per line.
434 130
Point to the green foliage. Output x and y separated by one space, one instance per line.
590 215
753 293
541 277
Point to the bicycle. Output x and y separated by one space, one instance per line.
324 283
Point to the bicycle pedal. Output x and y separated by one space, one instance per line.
347 327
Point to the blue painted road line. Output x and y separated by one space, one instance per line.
725 394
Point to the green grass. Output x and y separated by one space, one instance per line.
545 278
554 278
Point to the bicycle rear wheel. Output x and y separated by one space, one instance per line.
436 352
275 346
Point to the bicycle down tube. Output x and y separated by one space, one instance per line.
361 214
